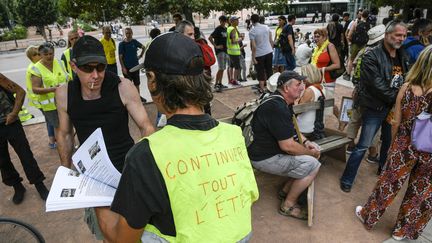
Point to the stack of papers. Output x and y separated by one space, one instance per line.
94 182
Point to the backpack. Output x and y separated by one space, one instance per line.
244 114
207 51
283 41
360 35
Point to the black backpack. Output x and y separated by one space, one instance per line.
360 35
283 41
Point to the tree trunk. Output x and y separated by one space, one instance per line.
41 29
188 14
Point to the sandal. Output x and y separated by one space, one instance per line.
303 215
281 195
358 210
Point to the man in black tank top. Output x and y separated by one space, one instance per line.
97 98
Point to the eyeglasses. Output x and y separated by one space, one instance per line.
87 68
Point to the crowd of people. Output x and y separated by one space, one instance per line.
158 198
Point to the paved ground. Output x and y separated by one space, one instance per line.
334 210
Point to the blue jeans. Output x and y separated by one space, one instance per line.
50 129
371 121
291 62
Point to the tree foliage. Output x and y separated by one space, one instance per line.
37 12
92 11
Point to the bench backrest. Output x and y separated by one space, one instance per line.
301 108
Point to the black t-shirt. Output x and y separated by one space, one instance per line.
142 197
172 28
288 30
271 123
397 73
335 37
220 38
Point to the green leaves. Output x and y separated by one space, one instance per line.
37 12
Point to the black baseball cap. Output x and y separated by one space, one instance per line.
88 49
172 53
285 76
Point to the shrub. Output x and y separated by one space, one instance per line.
19 31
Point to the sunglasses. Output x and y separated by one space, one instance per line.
87 68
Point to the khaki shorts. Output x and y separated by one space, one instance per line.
287 165
354 51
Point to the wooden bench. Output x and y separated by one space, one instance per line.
332 145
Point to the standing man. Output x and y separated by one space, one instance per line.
12 131
160 198
72 38
346 21
233 49
219 40
177 19
109 47
381 75
289 33
262 51
128 57
358 38
98 99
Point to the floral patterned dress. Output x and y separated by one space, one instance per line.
404 161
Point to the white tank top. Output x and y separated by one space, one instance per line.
306 120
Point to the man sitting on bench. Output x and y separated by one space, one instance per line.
276 149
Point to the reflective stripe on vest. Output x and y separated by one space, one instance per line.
210 182
232 49
50 79
32 97
68 66
24 114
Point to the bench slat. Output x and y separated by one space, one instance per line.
335 144
312 106
328 139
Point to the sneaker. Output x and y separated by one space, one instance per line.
256 86
218 88
373 159
243 80
345 188
223 86
18 196
42 190
349 149
358 209
234 82
398 238
52 145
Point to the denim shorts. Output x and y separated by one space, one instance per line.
222 60
287 165
278 58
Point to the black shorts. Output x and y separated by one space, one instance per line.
264 67
235 61
134 77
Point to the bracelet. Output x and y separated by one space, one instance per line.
305 141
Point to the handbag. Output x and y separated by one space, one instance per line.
421 134
334 74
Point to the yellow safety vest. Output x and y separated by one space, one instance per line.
68 68
210 182
49 79
232 49
24 114
33 99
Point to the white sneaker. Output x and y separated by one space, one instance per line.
357 212
398 238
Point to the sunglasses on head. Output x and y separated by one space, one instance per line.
87 68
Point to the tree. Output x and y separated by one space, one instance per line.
37 13
92 11
406 5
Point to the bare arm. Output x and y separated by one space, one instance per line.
334 58
292 147
271 39
351 31
395 123
13 88
307 97
115 227
65 131
131 99
38 88
291 43
253 48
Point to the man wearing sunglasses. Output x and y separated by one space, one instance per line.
97 98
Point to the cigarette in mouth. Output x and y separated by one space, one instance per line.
92 85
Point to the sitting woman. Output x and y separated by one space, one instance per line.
314 90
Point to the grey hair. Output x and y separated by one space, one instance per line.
287 83
182 25
391 26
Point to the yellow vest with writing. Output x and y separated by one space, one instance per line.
49 79
32 97
68 68
210 182
232 49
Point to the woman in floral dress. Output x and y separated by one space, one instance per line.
405 161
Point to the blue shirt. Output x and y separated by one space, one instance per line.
129 52
414 50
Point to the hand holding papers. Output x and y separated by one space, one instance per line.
93 185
